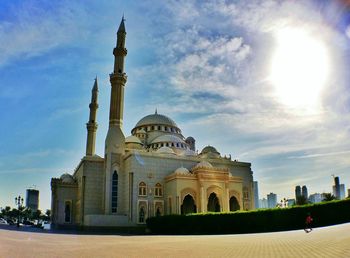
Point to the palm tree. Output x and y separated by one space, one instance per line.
327 197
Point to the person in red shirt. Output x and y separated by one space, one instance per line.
308 223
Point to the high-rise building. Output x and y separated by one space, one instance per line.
271 200
263 203
32 199
290 202
342 191
297 191
304 192
348 193
315 198
336 187
256 194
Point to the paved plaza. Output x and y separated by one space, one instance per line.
322 242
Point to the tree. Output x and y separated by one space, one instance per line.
26 213
301 200
36 214
5 212
327 197
47 216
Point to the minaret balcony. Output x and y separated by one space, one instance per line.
93 105
91 126
119 78
120 51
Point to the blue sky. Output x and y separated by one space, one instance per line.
203 63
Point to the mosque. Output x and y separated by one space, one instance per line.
153 172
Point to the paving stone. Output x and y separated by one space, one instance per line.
326 242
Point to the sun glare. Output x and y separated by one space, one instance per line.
299 69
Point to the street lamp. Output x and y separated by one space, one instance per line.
19 203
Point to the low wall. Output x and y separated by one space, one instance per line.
107 221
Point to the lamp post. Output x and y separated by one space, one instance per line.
19 203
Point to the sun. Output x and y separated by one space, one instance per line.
299 68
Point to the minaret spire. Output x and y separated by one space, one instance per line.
91 126
118 79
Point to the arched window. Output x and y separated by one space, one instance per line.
142 189
158 213
142 215
158 191
67 212
234 205
152 128
245 193
114 192
159 127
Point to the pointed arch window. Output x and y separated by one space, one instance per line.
158 190
245 193
142 189
114 192
142 215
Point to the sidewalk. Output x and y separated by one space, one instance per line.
321 242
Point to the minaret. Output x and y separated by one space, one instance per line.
91 126
115 140
118 79
115 137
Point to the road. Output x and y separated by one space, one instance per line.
327 242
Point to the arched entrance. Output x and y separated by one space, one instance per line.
234 205
213 203
188 205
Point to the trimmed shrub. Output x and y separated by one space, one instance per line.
267 220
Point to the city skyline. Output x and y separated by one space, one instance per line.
206 65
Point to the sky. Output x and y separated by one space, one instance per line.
209 65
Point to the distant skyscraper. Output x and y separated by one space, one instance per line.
315 198
256 195
304 192
263 203
348 193
342 191
291 202
336 187
32 199
297 191
271 200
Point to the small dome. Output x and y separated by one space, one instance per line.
204 164
67 178
190 139
132 139
181 171
209 149
165 149
156 119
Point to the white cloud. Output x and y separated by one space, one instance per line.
221 74
33 30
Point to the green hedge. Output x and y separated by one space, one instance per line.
267 220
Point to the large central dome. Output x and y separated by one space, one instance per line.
156 119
